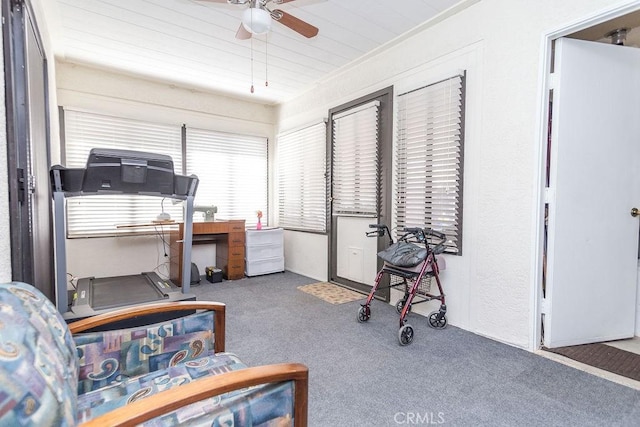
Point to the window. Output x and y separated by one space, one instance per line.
430 159
232 170
302 180
356 166
100 215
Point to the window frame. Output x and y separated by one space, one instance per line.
454 243
313 187
354 198
227 139
141 209
179 133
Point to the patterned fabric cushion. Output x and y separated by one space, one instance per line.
251 406
38 369
114 356
269 405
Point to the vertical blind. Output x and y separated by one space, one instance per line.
430 159
355 162
302 178
232 170
100 215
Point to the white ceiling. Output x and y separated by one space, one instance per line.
192 43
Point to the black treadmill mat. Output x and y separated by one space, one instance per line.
112 292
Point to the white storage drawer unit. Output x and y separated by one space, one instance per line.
264 251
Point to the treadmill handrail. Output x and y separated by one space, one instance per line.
71 182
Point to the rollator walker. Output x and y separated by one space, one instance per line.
412 263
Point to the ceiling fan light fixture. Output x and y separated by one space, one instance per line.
256 20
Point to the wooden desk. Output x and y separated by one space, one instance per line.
229 239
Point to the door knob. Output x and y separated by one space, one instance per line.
635 212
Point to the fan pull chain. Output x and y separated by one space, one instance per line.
252 90
266 61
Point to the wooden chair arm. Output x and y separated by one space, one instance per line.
162 307
172 399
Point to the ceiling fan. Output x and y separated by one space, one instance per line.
256 19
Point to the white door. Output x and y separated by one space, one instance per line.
594 184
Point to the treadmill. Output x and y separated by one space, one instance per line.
119 172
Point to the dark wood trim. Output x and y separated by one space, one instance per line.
219 326
175 398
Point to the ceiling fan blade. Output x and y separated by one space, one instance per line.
229 1
242 33
296 24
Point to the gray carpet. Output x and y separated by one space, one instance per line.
360 376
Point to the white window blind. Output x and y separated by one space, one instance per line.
302 181
100 215
233 173
356 166
430 159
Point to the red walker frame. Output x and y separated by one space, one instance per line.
416 280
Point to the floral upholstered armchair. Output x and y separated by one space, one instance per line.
170 373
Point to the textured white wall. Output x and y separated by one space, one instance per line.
306 254
490 284
118 94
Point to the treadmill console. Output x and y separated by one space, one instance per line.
128 172
123 172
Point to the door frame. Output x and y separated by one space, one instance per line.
537 303
29 263
386 98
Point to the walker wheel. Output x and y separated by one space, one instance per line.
405 335
400 305
364 314
435 323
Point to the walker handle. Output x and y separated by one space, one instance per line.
380 231
413 230
416 232
440 247
435 233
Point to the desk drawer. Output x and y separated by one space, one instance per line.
235 271
235 253
236 239
230 256
236 227
210 227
